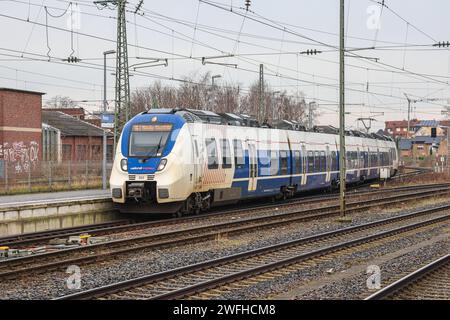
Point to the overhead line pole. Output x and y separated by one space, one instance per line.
261 94
342 158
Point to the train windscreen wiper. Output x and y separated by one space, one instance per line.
148 154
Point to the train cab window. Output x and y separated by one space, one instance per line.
239 160
211 149
226 154
284 163
323 161
298 162
310 161
316 161
147 141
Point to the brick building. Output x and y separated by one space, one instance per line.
20 129
79 140
400 128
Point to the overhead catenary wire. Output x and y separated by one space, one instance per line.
173 53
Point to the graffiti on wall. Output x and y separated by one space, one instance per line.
21 156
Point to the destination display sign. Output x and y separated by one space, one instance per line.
153 127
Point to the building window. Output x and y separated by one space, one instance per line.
109 152
211 149
96 152
81 152
67 152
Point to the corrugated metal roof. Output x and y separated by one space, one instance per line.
428 123
405 144
70 126
427 140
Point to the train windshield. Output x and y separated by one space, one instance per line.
148 141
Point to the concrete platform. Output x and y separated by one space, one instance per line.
47 197
45 211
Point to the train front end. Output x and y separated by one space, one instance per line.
149 173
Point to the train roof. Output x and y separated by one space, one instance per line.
244 120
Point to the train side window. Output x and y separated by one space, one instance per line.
226 154
350 160
323 161
239 160
310 161
333 161
298 162
316 161
211 149
274 163
284 163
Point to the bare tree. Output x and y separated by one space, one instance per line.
197 92
60 102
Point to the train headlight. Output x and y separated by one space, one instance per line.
162 164
124 164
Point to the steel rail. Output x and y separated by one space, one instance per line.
410 279
14 267
123 226
184 291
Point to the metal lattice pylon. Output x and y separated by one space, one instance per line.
122 106
122 98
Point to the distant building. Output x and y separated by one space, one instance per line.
20 129
405 148
79 113
400 128
78 139
443 149
424 128
76 112
422 145
417 128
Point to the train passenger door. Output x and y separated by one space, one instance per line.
358 163
197 162
291 162
328 166
304 165
253 167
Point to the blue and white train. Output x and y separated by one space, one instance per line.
185 161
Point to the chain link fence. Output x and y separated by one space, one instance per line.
51 176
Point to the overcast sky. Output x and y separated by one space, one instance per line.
166 30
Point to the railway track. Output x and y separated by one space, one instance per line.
125 225
12 268
218 276
429 282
